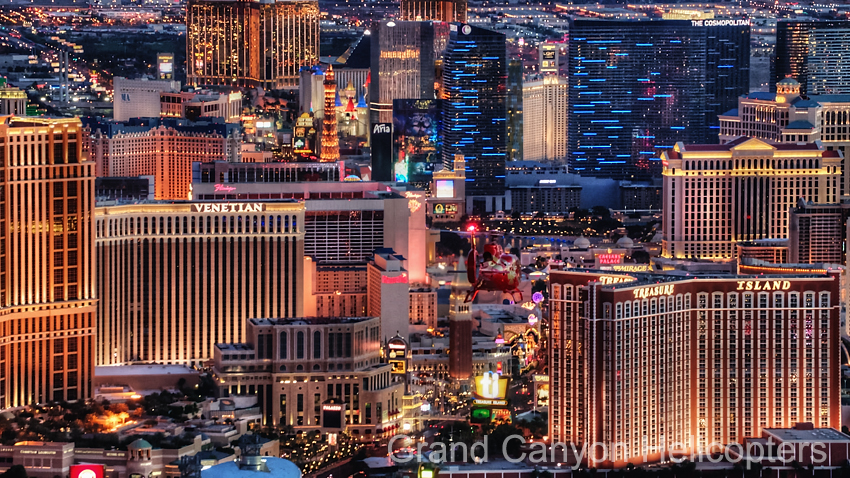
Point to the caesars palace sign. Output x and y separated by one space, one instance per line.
242 207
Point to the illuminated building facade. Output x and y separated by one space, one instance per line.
249 44
387 287
423 306
515 112
787 117
545 102
475 109
436 10
774 251
330 138
341 357
817 233
164 149
741 191
139 98
201 104
673 359
804 47
334 289
638 87
404 62
13 101
47 282
175 279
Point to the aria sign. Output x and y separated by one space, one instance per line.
242 207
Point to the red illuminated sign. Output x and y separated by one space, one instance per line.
609 258
402 279
87 471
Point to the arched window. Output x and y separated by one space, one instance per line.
299 345
317 345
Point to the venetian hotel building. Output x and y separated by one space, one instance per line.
653 360
47 291
176 278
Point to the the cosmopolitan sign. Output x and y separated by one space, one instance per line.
241 207
720 23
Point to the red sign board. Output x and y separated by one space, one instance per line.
87 471
609 258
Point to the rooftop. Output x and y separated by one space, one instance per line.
150 369
310 320
807 436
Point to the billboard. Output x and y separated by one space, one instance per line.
441 208
332 415
382 152
491 386
445 188
165 66
397 353
87 471
416 143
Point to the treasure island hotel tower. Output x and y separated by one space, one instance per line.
47 301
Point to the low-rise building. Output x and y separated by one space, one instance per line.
314 373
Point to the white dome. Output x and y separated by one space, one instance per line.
581 243
625 242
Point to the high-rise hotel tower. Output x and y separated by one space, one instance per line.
47 302
248 44
645 365
436 10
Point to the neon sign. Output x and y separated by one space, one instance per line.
615 279
332 408
244 207
654 291
609 258
764 285
222 188
402 279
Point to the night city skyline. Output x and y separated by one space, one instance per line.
424 239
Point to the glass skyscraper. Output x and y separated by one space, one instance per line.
797 53
404 59
637 87
515 72
475 106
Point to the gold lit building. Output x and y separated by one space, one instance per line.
178 278
248 44
330 137
647 365
436 10
716 195
47 294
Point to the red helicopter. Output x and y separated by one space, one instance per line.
498 271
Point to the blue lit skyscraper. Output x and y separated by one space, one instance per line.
475 109
637 87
